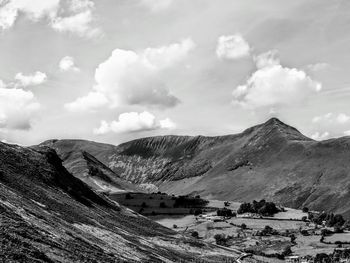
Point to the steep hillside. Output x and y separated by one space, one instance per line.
48 215
272 160
87 168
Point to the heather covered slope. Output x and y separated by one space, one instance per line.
272 160
48 215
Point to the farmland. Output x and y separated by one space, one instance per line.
248 238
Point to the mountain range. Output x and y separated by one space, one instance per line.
272 160
48 215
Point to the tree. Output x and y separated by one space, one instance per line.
244 226
287 251
162 205
143 205
292 238
198 212
305 209
221 240
128 196
225 212
195 234
262 207
244 208
322 258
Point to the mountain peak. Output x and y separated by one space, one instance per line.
275 121
275 127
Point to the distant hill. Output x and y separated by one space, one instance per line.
48 215
272 160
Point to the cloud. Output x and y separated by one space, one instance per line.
79 23
67 64
134 78
167 124
8 15
320 136
74 16
333 124
232 47
273 85
34 10
330 118
347 133
91 102
30 80
317 67
17 108
157 5
134 122
267 59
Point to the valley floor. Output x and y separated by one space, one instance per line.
247 239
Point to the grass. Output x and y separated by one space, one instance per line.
342 237
311 245
261 223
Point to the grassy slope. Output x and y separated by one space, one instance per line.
47 215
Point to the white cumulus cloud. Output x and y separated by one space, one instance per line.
18 107
273 85
134 122
331 118
319 136
67 63
267 59
79 23
134 78
34 79
74 16
232 47
34 10
91 102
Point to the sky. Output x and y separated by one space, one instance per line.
117 70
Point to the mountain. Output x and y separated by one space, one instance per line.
48 215
272 160
79 162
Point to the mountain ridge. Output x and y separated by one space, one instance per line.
271 160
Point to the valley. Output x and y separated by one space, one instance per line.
177 199
288 233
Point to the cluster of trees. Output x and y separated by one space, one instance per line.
332 220
267 231
222 240
335 257
128 196
262 208
196 211
188 201
286 252
225 212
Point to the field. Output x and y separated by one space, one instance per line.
209 225
311 245
342 237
